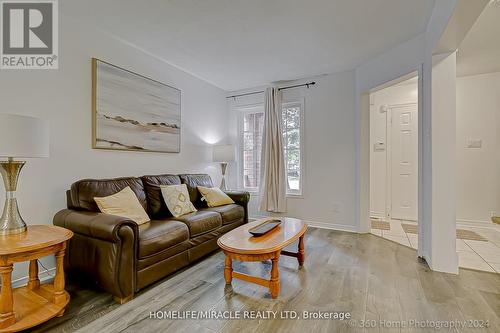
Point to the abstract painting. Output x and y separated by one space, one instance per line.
133 112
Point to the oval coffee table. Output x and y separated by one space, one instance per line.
239 244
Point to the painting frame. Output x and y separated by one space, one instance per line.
95 120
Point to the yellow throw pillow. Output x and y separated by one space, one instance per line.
214 196
123 203
176 198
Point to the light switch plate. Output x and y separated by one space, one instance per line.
379 146
474 143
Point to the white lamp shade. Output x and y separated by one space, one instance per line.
22 136
224 153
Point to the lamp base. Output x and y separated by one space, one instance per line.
223 167
11 221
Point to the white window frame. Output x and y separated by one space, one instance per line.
242 111
252 108
289 192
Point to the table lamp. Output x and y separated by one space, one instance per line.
223 154
20 137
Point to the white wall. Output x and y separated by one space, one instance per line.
328 194
478 118
413 55
397 62
442 250
406 92
378 158
64 98
478 170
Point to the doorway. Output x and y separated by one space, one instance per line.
394 161
477 144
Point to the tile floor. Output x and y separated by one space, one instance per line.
478 255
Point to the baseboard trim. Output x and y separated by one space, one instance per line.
332 226
44 276
477 224
320 225
377 215
450 265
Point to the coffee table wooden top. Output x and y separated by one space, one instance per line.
240 240
35 238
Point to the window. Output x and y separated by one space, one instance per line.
251 126
292 143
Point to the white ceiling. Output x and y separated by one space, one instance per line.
480 50
238 44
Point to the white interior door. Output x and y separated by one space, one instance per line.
404 162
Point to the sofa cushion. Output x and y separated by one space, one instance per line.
156 204
214 196
84 191
158 235
123 203
177 199
192 182
201 222
230 213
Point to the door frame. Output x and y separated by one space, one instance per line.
363 149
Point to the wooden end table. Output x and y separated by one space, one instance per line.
239 244
28 306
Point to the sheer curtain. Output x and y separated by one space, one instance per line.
273 178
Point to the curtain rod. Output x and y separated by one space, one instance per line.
312 83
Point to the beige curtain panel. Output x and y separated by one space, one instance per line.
273 178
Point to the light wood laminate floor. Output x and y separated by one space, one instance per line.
367 276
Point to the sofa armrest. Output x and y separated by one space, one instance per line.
103 249
94 225
240 198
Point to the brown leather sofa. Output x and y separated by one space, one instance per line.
122 257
